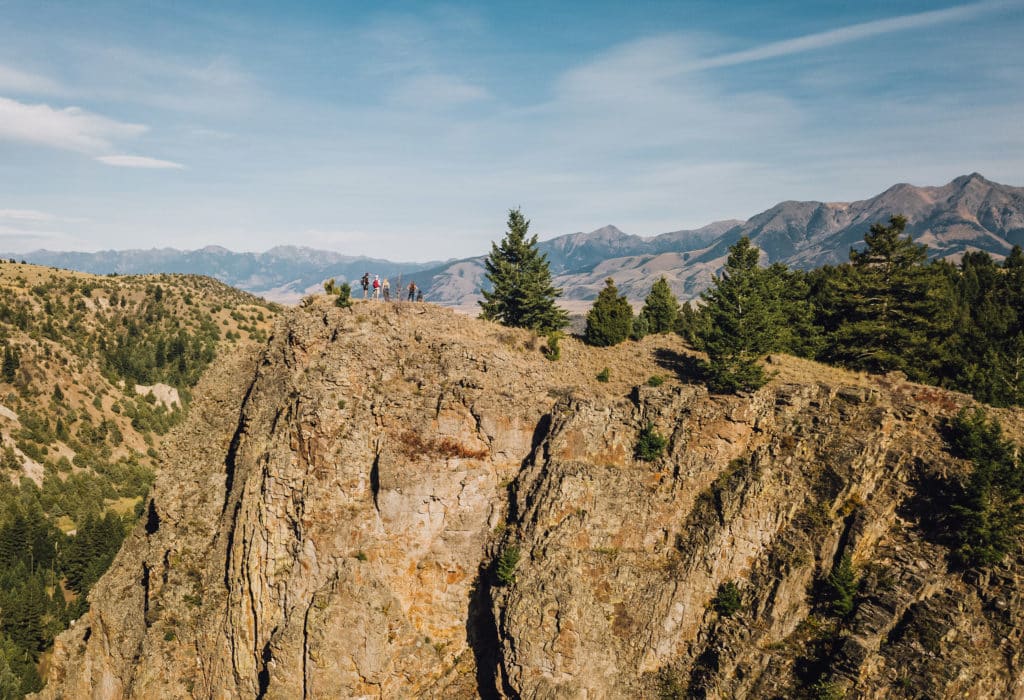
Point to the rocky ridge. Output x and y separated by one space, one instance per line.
330 522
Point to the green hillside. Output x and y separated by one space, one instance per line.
95 370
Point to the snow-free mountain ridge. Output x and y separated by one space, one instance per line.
968 213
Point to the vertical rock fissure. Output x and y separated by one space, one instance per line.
236 439
516 503
375 481
263 677
305 651
482 635
145 594
230 546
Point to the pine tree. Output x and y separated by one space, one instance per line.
985 353
661 308
842 586
790 290
890 307
11 363
521 293
610 319
742 321
989 515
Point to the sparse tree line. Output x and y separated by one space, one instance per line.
889 308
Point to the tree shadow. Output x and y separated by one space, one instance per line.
482 635
687 368
929 506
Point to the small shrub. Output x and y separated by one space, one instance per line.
827 690
553 352
344 292
842 587
507 563
604 375
650 445
728 601
655 380
170 636
361 555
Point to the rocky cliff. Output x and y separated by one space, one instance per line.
398 501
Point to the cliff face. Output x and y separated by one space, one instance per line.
329 522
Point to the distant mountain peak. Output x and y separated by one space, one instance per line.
972 179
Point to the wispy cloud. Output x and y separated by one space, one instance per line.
14 80
849 33
124 161
437 90
175 83
25 215
70 128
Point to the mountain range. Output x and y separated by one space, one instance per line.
968 213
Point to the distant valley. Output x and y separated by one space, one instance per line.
969 213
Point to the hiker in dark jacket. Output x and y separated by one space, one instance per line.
412 291
365 283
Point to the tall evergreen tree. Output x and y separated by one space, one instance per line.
610 319
986 350
891 309
742 321
661 308
521 292
989 517
789 291
11 363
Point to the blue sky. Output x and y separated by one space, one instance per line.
407 129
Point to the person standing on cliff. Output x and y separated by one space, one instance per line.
376 287
386 288
412 291
365 283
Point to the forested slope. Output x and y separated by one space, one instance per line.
95 371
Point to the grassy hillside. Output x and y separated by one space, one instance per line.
94 371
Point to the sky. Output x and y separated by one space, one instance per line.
407 130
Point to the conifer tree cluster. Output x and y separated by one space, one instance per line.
35 558
889 308
521 293
988 518
610 320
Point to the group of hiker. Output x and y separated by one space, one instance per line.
382 288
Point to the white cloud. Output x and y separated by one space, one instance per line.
124 161
25 215
14 80
843 35
633 99
70 128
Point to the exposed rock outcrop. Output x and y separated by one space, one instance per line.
329 521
